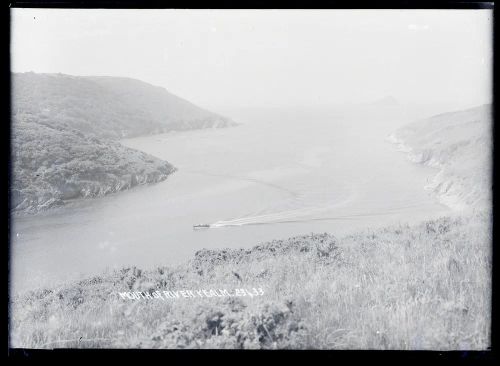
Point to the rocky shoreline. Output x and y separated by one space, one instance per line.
458 144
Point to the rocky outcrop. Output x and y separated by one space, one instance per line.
459 144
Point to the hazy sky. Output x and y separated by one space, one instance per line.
238 58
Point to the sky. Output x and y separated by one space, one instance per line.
269 58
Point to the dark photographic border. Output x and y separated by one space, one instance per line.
217 356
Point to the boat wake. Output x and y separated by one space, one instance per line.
308 215
304 214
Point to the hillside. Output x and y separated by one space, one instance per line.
164 108
423 287
65 131
459 144
52 165
109 107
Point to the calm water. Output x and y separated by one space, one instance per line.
279 174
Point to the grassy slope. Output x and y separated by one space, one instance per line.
402 287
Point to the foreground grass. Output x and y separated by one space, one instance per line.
401 287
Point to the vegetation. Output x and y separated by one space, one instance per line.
110 107
53 165
459 144
65 132
165 109
401 287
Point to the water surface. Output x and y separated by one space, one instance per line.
278 174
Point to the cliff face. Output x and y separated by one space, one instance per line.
459 144
65 131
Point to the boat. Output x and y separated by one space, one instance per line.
201 226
